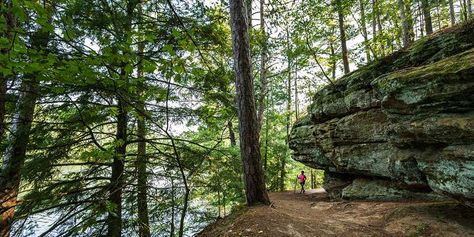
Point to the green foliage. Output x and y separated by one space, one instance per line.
169 64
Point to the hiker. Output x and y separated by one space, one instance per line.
302 180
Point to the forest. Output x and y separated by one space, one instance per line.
157 117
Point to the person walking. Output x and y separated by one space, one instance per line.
302 180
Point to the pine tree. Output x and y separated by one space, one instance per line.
255 190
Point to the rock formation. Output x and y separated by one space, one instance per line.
401 127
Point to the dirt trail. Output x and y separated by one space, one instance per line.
312 214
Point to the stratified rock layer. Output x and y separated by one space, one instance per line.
403 126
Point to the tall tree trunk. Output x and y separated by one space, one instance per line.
333 60
114 219
173 204
117 181
393 39
3 100
267 128
422 22
248 126
438 15
219 201
374 28
142 178
288 112
187 191
407 25
141 164
15 153
296 88
401 8
263 69
378 23
223 201
265 163
282 173
184 211
383 42
248 5
379 20
452 14
426 7
469 8
8 34
364 30
463 9
374 20
342 31
231 133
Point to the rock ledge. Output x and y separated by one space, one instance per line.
401 127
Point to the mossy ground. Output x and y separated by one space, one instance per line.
444 68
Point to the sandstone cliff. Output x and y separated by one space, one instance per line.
401 127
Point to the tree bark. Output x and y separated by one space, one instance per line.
426 8
340 14
15 153
452 14
248 127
